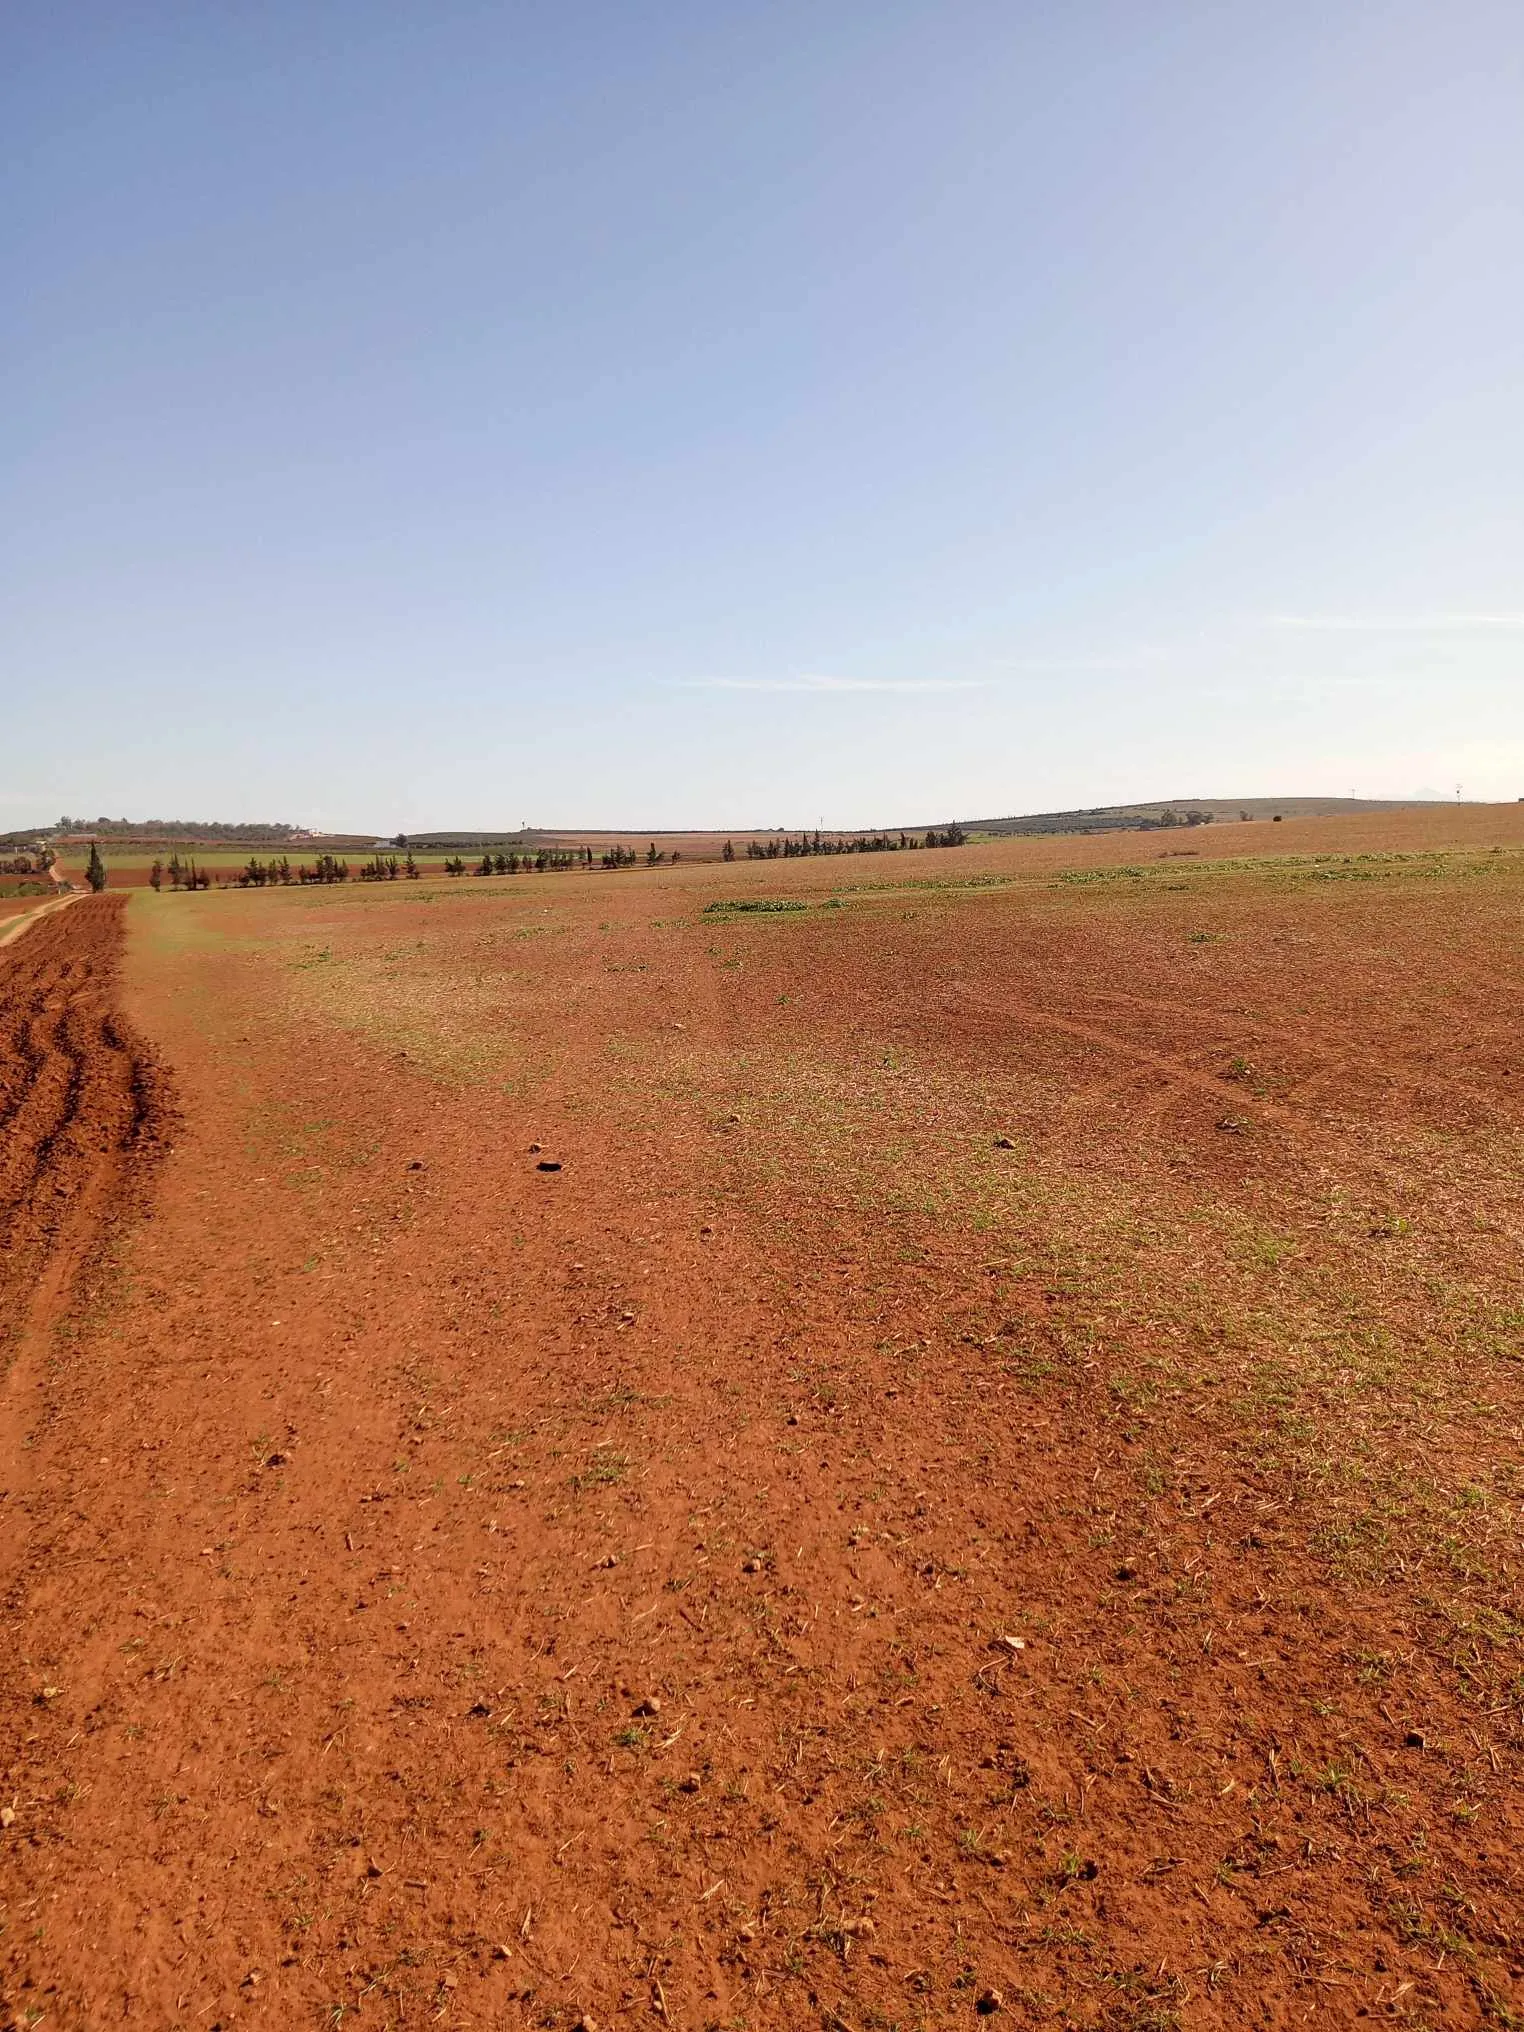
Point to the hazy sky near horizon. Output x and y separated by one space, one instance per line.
718 414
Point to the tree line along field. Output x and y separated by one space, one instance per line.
130 863
183 865
906 1442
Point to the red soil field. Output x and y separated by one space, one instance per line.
984 1487
78 1107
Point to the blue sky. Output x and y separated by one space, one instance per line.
719 414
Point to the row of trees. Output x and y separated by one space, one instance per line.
387 868
789 849
546 860
262 874
152 829
327 868
181 874
626 857
256 875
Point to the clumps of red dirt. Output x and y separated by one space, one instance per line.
82 1108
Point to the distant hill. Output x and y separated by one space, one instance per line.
698 843
263 831
1114 818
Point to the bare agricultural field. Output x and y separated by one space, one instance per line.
16 905
878 1443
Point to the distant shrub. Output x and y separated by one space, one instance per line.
752 905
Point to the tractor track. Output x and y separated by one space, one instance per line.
83 1110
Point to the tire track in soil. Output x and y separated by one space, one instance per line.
83 1109
1339 1050
1164 1084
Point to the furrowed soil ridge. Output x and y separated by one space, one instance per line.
83 1109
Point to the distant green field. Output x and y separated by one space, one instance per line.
204 857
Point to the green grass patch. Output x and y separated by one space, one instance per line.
752 906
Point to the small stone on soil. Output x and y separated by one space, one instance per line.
547 1164
988 2002
650 1706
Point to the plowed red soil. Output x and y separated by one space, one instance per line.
80 1112
985 1486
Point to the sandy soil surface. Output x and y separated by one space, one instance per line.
984 1486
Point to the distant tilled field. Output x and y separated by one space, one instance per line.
886 1443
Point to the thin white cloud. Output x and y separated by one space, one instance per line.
1298 683
822 684
1135 659
1401 624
